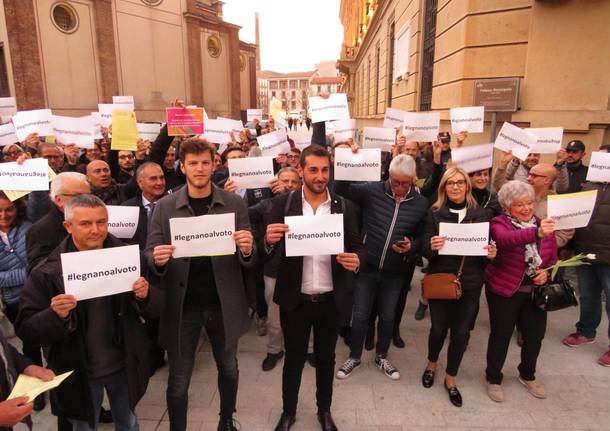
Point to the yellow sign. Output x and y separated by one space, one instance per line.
124 130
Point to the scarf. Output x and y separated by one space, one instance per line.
532 257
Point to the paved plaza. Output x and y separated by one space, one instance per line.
578 389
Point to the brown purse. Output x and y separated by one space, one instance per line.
443 285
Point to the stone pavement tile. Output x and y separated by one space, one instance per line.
150 411
155 393
598 381
576 420
407 415
210 414
478 419
191 426
148 425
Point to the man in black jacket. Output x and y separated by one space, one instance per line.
577 171
110 354
312 290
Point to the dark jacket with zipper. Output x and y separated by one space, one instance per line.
385 222
594 237
39 325
473 273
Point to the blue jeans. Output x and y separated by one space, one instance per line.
591 281
118 395
387 290
181 366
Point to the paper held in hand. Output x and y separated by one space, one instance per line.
515 139
31 387
254 114
301 138
548 139
7 135
571 210
473 158
274 143
78 131
28 122
365 165
464 239
124 130
207 235
599 167
252 172
333 108
185 121
469 119
314 235
104 272
393 118
149 131
422 127
123 220
13 195
379 137
105 111
343 129
32 175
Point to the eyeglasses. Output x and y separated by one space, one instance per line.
534 175
403 184
458 184
293 156
126 156
13 153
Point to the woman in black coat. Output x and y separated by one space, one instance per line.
455 204
480 191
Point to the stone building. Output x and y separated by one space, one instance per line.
424 55
70 55
291 89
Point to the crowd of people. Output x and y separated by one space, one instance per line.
301 304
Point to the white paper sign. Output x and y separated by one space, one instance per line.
421 127
252 114
123 220
571 210
236 126
97 125
468 119
379 137
38 121
473 158
218 131
70 130
548 139
599 167
365 165
252 172
105 110
149 131
123 99
515 139
280 124
8 106
333 108
207 235
314 235
394 118
301 138
274 143
464 239
7 134
343 129
95 273
32 175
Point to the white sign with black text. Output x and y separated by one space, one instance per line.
379 137
599 167
343 129
301 138
571 210
252 172
422 127
218 131
32 175
149 131
333 108
207 235
473 158
515 139
254 114
274 143
464 239
123 220
365 165
467 119
394 118
548 139
70 130
37 121
7 134
105 110
315 235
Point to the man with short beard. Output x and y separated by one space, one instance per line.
511 168
577 171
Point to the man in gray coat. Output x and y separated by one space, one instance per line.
200 292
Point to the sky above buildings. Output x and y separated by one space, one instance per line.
295 35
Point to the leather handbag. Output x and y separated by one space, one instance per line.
554 296
443 285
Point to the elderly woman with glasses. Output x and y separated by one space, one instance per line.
455 204
526 246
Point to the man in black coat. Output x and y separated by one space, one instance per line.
109 355
315 299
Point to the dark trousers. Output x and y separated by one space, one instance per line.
402 299
457 316
504 314
156 352
181 366
296 326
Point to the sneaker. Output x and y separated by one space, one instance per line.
495 392
576 340
347 368
228 424
533 388
604 359
270 361
387 368
420 313
261 326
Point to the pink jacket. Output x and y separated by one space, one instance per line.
505 273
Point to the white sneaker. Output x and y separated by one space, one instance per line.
347 368
387 368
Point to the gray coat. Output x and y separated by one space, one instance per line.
174 275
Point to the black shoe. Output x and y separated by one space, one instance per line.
398 341
226 424
285 423
311 359
326 421
427 379
270 361
420 313
454 395
39 403
369 342
105 416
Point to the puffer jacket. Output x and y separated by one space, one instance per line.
505 273
594 237
13 261
385 222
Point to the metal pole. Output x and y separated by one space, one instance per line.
494 120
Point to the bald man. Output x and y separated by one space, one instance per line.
102 184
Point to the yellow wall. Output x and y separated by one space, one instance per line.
216 79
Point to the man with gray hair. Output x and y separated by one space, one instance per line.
393 212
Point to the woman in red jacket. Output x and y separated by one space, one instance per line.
526 246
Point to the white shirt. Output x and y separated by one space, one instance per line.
317 272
